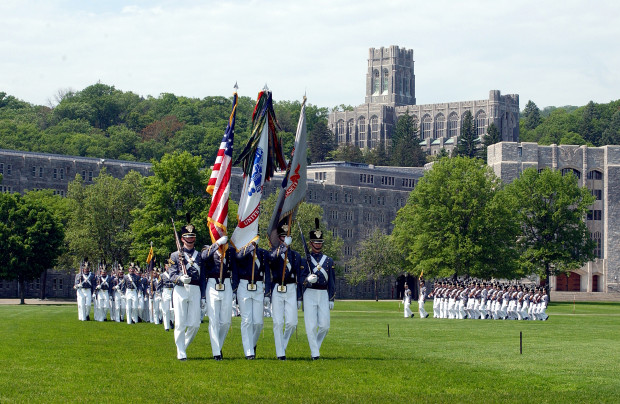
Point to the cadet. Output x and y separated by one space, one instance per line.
285 295
104 285
319 290
166 297
85 287
407 302
422 299
252 264
132 287
157 286
119 295
219 291
189 290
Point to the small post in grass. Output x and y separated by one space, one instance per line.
521 342
388 330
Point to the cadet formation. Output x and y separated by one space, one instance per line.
253 283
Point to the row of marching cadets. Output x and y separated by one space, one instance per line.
489 300
138 296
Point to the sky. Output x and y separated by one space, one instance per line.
552 52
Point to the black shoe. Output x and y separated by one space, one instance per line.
314 358
167 329
250 357
426 315
183 359
254 349
218 357
87 318
282 358
221 356
412 316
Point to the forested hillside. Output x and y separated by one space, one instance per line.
101 121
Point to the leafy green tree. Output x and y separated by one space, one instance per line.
531 116
611 135
347 152
551 209
377 156
99 227
457 222
467 145
406 150
177 187
321 142
30 239
588 128
493 136
377 257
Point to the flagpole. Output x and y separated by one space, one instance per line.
288 234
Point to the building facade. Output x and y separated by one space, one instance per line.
390 93
598 169
356 198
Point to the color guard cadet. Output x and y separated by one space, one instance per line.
166 297
285 294
249 280
188 274
407 302
85 287
104 285
422 299
132 287
220 294
318 279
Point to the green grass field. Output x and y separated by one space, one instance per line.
47 355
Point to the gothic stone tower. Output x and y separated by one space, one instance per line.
390 79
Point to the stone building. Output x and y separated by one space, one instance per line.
355 199
390 92
598 169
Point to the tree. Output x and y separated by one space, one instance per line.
551 208
588 128
491 138
406 150
100 225
30 239
347 152
467 145
377 257
531 116
321 141
458 222
178 186
377 156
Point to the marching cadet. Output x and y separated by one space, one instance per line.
189 290
157 287
252 264
119 295
220 294
407 302
85 287
422 299
166 297
319 291
435 298
143 296
104 282
285 294
132 287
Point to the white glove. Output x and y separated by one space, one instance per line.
185 279
288 240
94 296
98 287
331 305
256 242
115 288
312 278
299 305
221 241
203 304
267 301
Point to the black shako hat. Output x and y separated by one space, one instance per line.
188 229
316 235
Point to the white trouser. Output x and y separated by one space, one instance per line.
451 311
524 309
503 310
103 305
219 309
316 318
251 307
436 310
444 307
115 307
460 309
122 303
284 313
166 307
186 315
421 310
84 299
406 304
131 305
156 308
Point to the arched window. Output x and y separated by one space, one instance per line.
440 126
386 75
374 132
598 249
566 171
595 175
361 130
481 123
376 81
453 125
350 131
340 131
426 127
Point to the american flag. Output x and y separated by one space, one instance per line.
219 183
